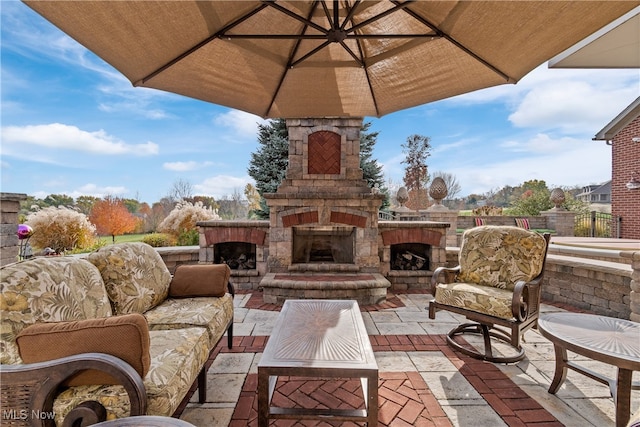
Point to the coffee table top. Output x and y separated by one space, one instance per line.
607 339
319 334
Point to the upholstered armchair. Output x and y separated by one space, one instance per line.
496 286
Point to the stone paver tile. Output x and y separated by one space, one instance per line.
239 314
525 373
227 363
431 361
475 415
441 328
412 328
384 317
222 388
450 386
210 417
559 409
243 329
369 324
393 361
413 316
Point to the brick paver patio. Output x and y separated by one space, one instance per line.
423 382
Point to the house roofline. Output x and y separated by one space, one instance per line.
623 119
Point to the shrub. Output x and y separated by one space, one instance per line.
183 218
61 229
158 240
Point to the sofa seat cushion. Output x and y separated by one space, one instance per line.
211 313
47 289
177 356
482 299
134 274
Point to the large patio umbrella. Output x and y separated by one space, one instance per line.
327 58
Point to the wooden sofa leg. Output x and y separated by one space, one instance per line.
202 385
230 336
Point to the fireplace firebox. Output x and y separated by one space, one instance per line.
410 256
237 255
323 245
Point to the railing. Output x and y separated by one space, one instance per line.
385 216
597 224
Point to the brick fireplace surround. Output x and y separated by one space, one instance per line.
323 239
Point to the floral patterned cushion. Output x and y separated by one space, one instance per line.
212 313
500 256
176 359
47 289
482 299
134 274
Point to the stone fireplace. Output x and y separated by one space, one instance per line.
323 238
324 216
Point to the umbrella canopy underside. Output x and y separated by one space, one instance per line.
327 58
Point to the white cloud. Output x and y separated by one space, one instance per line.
97 191
570 106
243 124
60 136
185 166
559 162
222 185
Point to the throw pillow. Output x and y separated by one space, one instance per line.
134 274
126 337
199 280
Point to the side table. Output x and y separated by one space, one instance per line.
605 339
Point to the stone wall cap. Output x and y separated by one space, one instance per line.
17 197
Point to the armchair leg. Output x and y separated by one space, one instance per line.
487 333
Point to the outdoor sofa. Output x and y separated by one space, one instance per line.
119 311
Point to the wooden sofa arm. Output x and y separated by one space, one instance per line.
449 273
28 390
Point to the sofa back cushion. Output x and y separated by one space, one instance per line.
126 337
134 274
199 280
500 256
47 289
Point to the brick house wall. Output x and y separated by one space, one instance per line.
625 163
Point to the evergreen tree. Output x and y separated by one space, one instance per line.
268 165
371 170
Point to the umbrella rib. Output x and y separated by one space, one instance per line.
214 36
349 16
441 33
398 6
314 6
364 66
294 15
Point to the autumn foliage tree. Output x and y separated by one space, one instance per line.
112 218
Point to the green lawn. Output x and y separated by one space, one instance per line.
122 239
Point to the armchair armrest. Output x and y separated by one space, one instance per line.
525 300
449 274
33 387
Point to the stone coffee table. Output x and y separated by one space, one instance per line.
606 339
319 339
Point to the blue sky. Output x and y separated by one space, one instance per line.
73 125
